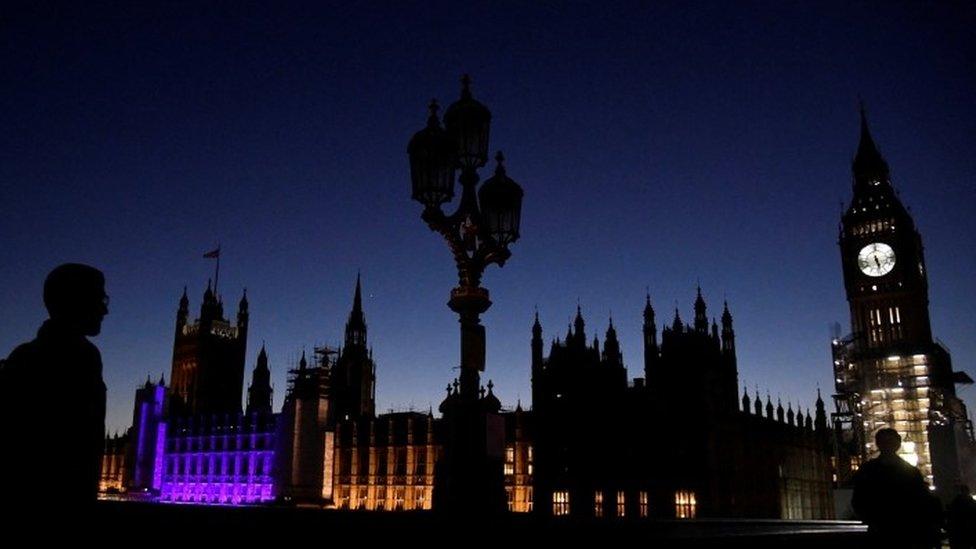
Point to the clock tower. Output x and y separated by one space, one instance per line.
889 372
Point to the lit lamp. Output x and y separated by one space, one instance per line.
478 234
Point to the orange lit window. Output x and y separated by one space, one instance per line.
560 503
684 504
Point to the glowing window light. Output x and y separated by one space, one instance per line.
560 503
894 357
621 504
685 504
598 503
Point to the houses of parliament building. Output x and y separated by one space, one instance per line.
681 441
593 444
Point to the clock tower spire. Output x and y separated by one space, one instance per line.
889 372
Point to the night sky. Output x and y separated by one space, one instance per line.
658 146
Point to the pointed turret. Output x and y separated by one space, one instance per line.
209 309
790 416
243 314
579 325
259 394
676 324
183 312
650 341
745 401
611 348
769 407
780 415
869 167
820 424
701 318
728 334
356 326
758 405
536 345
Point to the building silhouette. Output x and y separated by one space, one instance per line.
674 444
208 357
890 372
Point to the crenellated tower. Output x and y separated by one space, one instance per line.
207 374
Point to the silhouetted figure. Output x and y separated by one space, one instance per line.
52 399
893 499
962 520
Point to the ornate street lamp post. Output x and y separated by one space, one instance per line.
478 233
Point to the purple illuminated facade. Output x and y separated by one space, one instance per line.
219 460
190 442
224 459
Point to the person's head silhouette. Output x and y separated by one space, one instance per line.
74 295
888 441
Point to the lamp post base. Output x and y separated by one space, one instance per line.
469 477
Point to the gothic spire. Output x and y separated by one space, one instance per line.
728 334
821 421
611 347
259 393
578 324
357 299
869 166
356 326
701 318
677 325
648 310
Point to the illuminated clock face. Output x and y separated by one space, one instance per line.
877 259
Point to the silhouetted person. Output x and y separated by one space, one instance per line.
962 520
52 400
893 499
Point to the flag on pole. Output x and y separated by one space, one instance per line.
212 254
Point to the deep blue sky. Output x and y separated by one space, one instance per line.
658 145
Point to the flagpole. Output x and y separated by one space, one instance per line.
217 271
